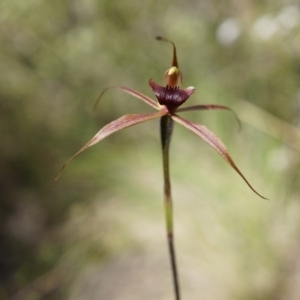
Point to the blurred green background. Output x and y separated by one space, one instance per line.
99 232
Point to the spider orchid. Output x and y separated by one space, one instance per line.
170 97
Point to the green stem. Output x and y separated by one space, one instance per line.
166 129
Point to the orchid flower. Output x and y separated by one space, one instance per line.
170 97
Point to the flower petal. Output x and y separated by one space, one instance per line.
129 91
211 139
170 96
114 126
207 107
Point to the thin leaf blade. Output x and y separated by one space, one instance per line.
116 125
210 138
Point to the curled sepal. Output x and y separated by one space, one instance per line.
131 92
211 139
208 107
114 126
170 96
172 77
174 58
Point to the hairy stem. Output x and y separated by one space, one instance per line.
166 129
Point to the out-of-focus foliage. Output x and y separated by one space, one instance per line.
98 233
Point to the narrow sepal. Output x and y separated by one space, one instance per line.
114 126
211 139
131 92
209 107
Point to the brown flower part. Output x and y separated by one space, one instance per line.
171 97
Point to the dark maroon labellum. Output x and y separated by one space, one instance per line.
170 96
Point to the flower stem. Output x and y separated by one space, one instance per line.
166 129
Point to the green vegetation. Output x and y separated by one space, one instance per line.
98 233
